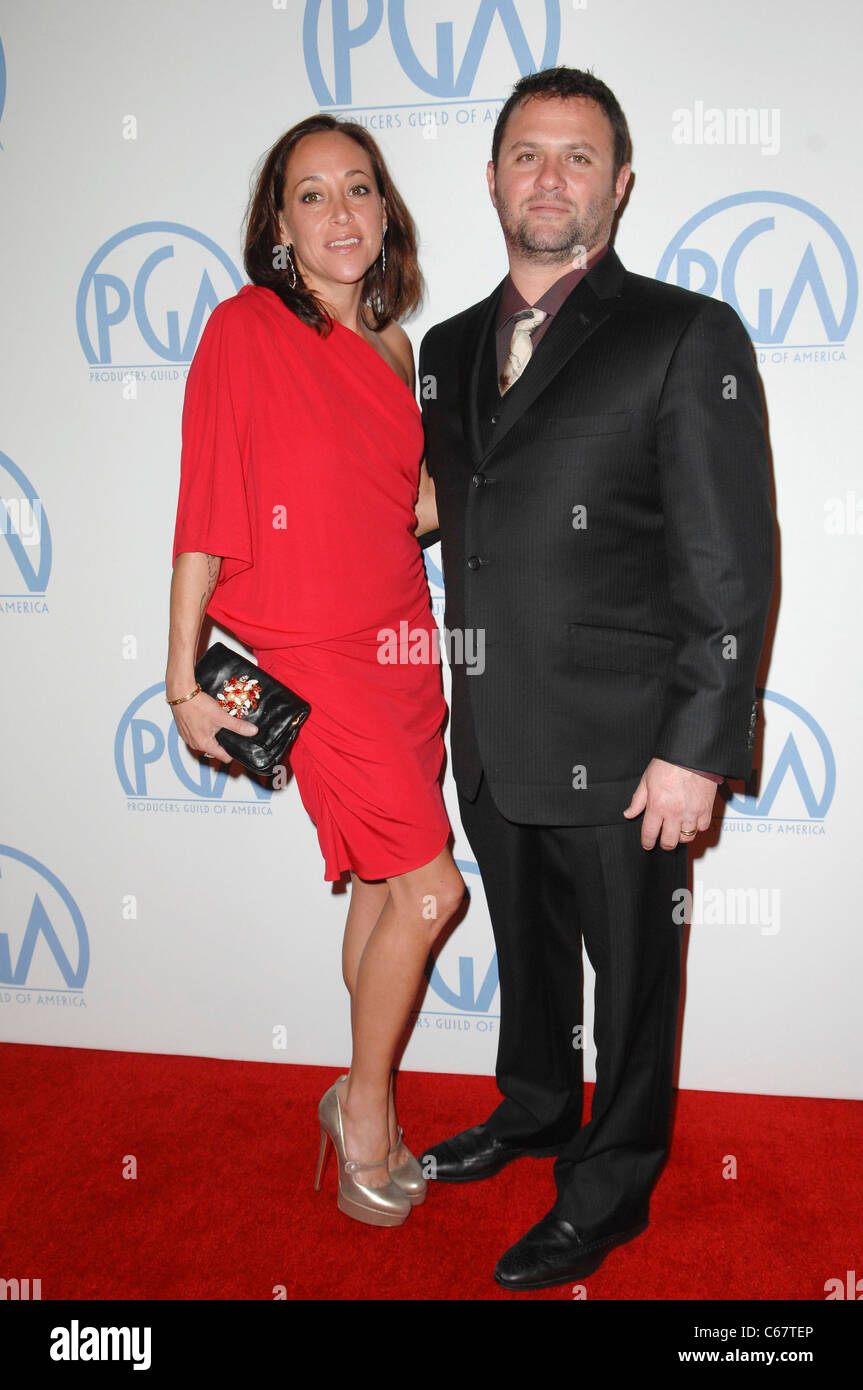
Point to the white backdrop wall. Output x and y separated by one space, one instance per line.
149 903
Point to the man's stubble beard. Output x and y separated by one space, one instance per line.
554 246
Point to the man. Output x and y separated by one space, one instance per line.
602 489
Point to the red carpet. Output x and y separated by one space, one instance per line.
223 1205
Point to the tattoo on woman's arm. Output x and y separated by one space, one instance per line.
213 565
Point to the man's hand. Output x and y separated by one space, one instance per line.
676 803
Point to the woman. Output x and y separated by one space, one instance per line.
295 530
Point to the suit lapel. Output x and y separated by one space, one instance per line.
592 301
475 350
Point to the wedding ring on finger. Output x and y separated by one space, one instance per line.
688 834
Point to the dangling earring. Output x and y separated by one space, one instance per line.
291 267
384 253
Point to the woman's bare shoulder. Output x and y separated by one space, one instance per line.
398 344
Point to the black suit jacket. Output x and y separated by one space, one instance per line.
607 527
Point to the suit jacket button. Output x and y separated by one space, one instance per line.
494 419
477 479
474 562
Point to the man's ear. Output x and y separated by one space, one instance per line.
489 173
620 183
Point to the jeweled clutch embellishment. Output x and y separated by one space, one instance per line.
241 689
239 696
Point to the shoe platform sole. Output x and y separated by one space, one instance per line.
369 1215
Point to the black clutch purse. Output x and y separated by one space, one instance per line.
244 691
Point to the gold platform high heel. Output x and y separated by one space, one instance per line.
409 1176
376 1206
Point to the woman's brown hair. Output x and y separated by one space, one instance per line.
390 296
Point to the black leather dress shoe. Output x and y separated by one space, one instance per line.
552 1252
467 1156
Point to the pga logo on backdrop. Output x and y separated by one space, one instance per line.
44 947
792 790
439 54
159 775
781 263
25 543
144 298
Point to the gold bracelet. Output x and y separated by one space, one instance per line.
183 698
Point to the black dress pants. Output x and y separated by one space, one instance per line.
548 887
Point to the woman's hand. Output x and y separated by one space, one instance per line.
195 577
198 720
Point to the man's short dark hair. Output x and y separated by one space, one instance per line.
567 82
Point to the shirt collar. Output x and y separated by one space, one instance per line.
511 301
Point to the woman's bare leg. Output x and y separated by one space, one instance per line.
383 977
367 902
368 898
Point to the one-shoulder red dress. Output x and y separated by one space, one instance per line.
300 464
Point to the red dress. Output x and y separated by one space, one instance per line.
299 467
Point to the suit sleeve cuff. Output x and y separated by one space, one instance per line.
711 776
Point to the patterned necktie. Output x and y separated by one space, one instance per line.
520 347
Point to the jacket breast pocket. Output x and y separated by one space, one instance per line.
581 426
620 649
